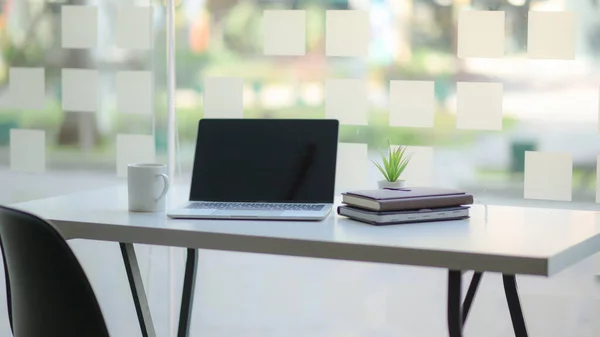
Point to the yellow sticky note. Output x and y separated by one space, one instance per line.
134 27
347 33
79 26
80 90
284 32
27 150
27 88
223 97
548 176
419 171
134 149
352 170
481 34
551 35
479 105
134 92
347 101
412 103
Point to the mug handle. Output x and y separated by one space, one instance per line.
166 188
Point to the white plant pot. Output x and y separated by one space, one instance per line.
383 184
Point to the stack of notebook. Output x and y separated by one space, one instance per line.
406 205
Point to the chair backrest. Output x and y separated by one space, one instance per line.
47 290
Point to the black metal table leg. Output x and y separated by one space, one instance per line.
454 303
187 296
514 305
137 289
458 311
470 295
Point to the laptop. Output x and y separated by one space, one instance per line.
271 169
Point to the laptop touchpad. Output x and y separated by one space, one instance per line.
247 213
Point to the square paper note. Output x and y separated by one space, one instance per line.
412 103
223 97
347 33
80 90
27 150
481 34
79 26
27 88
134 149
479 105
134 92
419 171
134 27
551 35
284 32
548 176
352 171
346 100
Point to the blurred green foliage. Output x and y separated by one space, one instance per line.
375 134
50 118
239 25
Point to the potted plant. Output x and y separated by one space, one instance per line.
392 167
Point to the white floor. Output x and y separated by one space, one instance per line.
254 295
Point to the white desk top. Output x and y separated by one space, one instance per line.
500 239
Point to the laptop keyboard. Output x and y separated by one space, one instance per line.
255 206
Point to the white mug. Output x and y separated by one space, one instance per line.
147 186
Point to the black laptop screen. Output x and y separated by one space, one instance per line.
266 160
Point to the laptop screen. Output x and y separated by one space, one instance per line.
265 160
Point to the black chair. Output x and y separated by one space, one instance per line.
48 293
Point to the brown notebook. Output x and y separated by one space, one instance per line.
407 198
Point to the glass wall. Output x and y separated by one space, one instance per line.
479 90
499 98
81 95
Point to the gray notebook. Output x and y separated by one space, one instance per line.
407 198
402 217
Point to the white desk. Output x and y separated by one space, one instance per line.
509 240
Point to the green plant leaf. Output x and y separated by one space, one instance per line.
383 172
386 164
393 165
